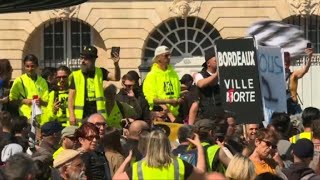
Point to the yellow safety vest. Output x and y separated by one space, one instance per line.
94 86
63 114
211 153
25 88
306 135
174 171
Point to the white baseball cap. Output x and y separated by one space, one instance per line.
160 50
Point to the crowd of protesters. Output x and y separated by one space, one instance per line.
88 131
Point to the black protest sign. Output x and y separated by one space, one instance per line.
239 79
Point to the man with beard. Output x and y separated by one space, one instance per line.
86 94
70 165
209 89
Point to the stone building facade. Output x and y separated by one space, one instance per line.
189 27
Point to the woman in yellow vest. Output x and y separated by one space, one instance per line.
159 163
29 86
58 98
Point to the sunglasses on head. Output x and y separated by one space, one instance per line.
90 138
270 144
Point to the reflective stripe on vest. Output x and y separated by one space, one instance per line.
79 81
306 135
141 171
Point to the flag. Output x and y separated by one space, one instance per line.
274 33
35 111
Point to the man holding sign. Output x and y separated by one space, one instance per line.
209 89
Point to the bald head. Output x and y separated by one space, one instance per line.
136 128
100 122
215 175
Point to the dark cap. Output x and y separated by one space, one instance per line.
303 148
134 75
204 125
209 54
50 128
89 51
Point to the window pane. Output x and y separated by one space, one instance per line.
85 28
58 40
59 55
75 40
75 26
48 53
75 52
86 39
47 40
58 27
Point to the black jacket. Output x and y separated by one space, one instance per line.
97 166
298 170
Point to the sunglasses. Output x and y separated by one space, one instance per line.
270 144
92 137
61 77
128 85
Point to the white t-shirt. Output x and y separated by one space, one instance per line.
199 77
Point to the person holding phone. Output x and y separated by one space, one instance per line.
57 108
292 78
86 94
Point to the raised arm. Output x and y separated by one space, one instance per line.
116 75
204 82
305 68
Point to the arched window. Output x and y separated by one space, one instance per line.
63 41
311 27
187 37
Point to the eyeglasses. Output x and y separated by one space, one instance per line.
92 137
63 77
99 124
270 144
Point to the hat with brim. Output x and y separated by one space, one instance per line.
209 54
204 125
160 50
90 52
65 156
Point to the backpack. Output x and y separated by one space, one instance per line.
191 156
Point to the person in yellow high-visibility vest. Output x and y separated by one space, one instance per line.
86 95
57 108
309 114
29 86
159 162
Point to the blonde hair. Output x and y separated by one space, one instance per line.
158 150
240 168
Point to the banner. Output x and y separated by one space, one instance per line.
272 81
239 79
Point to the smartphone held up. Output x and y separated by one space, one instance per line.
115 51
